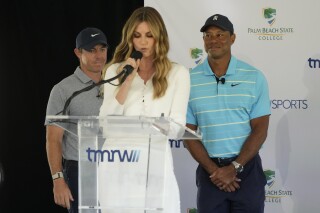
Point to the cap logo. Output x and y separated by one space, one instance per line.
215 18
93 35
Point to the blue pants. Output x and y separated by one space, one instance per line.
248 199
71 177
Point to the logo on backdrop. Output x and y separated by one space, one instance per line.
289 104
269 33
193 210
270 15
314 63
272 191
197 55
270 176
176 143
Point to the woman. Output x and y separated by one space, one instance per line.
156 87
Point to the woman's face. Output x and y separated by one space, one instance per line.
143 40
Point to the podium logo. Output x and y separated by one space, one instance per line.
113 155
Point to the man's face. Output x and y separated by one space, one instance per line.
217 42
93 60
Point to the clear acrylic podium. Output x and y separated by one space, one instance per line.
122 160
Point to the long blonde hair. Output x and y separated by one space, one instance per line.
159 32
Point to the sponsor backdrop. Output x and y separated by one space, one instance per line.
281 38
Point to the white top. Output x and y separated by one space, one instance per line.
140 100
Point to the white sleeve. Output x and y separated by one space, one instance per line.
181 80
110 106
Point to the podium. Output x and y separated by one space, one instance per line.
123 161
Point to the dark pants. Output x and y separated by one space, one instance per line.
248 199
71 176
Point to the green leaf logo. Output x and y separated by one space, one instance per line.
196 53
270 176
194 210
270 15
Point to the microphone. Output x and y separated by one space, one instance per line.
128 68
222 80
126 71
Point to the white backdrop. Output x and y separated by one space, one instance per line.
286 47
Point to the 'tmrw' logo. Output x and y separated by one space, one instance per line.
112 155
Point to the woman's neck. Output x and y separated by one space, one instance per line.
146 70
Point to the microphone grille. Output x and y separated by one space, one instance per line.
136 55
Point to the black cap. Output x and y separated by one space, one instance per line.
90 37
219 21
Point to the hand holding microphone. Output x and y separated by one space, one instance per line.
127 69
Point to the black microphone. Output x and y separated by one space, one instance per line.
126 71
128 68
222 80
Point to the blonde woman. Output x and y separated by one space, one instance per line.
155 87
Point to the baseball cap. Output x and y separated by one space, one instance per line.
90 37
219 21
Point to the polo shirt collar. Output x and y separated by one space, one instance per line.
82 76
230 71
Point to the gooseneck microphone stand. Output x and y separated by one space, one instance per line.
64 111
